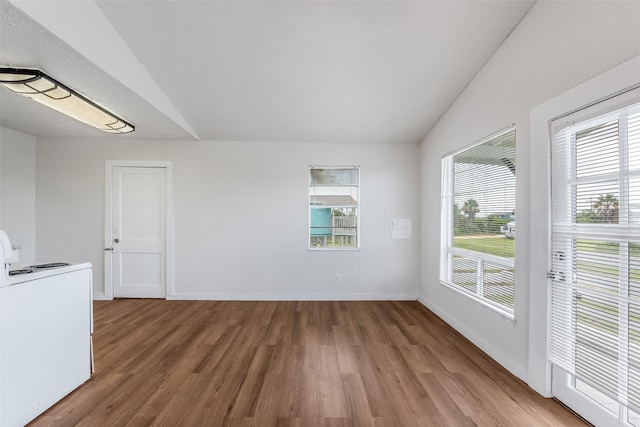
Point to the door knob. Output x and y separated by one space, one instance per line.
116 240
108 249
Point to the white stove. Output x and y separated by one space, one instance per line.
12 274
20 273
45 334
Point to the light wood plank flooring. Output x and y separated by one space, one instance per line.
210 363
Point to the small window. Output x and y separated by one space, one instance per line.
479 222
334 207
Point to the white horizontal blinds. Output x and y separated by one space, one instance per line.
633 128
633 144
594 293
634 325
333 207
479 195
446 218
334 177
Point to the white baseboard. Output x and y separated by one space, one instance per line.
228 296
479 342
291 297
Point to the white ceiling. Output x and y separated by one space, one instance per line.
323 71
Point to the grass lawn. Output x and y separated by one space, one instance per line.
605 247
498 245
603 266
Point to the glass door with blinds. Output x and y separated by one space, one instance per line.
594 291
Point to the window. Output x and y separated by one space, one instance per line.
334 207
478 221
594 297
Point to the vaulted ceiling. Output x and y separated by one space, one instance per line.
307 71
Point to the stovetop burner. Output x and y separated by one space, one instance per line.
21 271
38 267
50 265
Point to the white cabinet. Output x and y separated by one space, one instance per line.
45 348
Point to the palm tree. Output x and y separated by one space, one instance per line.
471 208
607 208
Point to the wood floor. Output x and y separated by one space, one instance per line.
208 363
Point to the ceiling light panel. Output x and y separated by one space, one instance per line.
44 89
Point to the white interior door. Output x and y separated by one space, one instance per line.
137 232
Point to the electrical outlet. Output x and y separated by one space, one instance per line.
337 278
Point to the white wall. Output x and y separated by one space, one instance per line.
17 190
240 215
556 46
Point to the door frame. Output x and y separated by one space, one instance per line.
538 151
108 217
564 390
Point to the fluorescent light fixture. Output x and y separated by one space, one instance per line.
46 90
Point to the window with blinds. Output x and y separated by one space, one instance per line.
334 207
478 221
594 295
